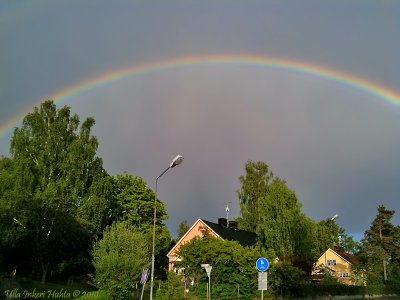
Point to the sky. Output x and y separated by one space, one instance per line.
312 88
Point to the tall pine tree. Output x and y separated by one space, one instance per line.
379 244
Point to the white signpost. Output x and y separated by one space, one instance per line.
262 265
208 269
262 281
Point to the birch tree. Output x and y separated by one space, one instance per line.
57 177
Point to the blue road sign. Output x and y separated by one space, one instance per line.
262 264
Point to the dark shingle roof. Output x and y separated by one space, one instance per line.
347 256
245 238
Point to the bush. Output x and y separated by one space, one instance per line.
283 278
119 259
171 289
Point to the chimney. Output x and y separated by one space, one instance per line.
222 222
233 225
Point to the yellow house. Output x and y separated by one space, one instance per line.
338 262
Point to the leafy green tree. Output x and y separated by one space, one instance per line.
119 259
285 279
270 209
182 229
326 235
254 187
134 202
284 227
55 177
231 263
348 243
173 288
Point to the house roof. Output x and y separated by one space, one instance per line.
347 256
245 238
339 252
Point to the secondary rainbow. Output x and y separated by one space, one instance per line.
300 67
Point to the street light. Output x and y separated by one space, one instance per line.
175 162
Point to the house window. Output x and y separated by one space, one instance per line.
331 262
344 275
181 271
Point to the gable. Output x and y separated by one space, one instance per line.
194 231
329 254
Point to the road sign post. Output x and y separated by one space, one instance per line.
208 269
262 265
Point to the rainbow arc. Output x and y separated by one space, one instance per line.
386 94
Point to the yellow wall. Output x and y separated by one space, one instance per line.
342 265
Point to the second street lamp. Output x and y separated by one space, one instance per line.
175 162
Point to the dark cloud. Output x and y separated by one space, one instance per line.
336 146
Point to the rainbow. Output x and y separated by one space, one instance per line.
306 68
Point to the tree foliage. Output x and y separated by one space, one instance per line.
134 202
119 259
285 278
326 235
182 229
380 247
254 187
270 209
231 263
172 288
54 184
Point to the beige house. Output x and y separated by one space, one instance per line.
338 262
223 230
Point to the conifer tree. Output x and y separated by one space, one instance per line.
379 243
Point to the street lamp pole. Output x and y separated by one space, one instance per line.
176 161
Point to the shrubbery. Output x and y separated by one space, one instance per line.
119 259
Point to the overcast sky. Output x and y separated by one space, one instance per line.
337 146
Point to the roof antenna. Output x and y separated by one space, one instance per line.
227 214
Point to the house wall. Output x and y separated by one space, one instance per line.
342 266
195 231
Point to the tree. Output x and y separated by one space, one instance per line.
56 176
379 243
285 279
134 202
254 187
231 263
182 229
347 242
119 259
326 235
270 209
173 288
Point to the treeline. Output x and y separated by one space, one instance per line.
56 200
272 210
62 215
292 242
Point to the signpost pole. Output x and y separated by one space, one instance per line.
209 287
262 265
208 269
262 294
